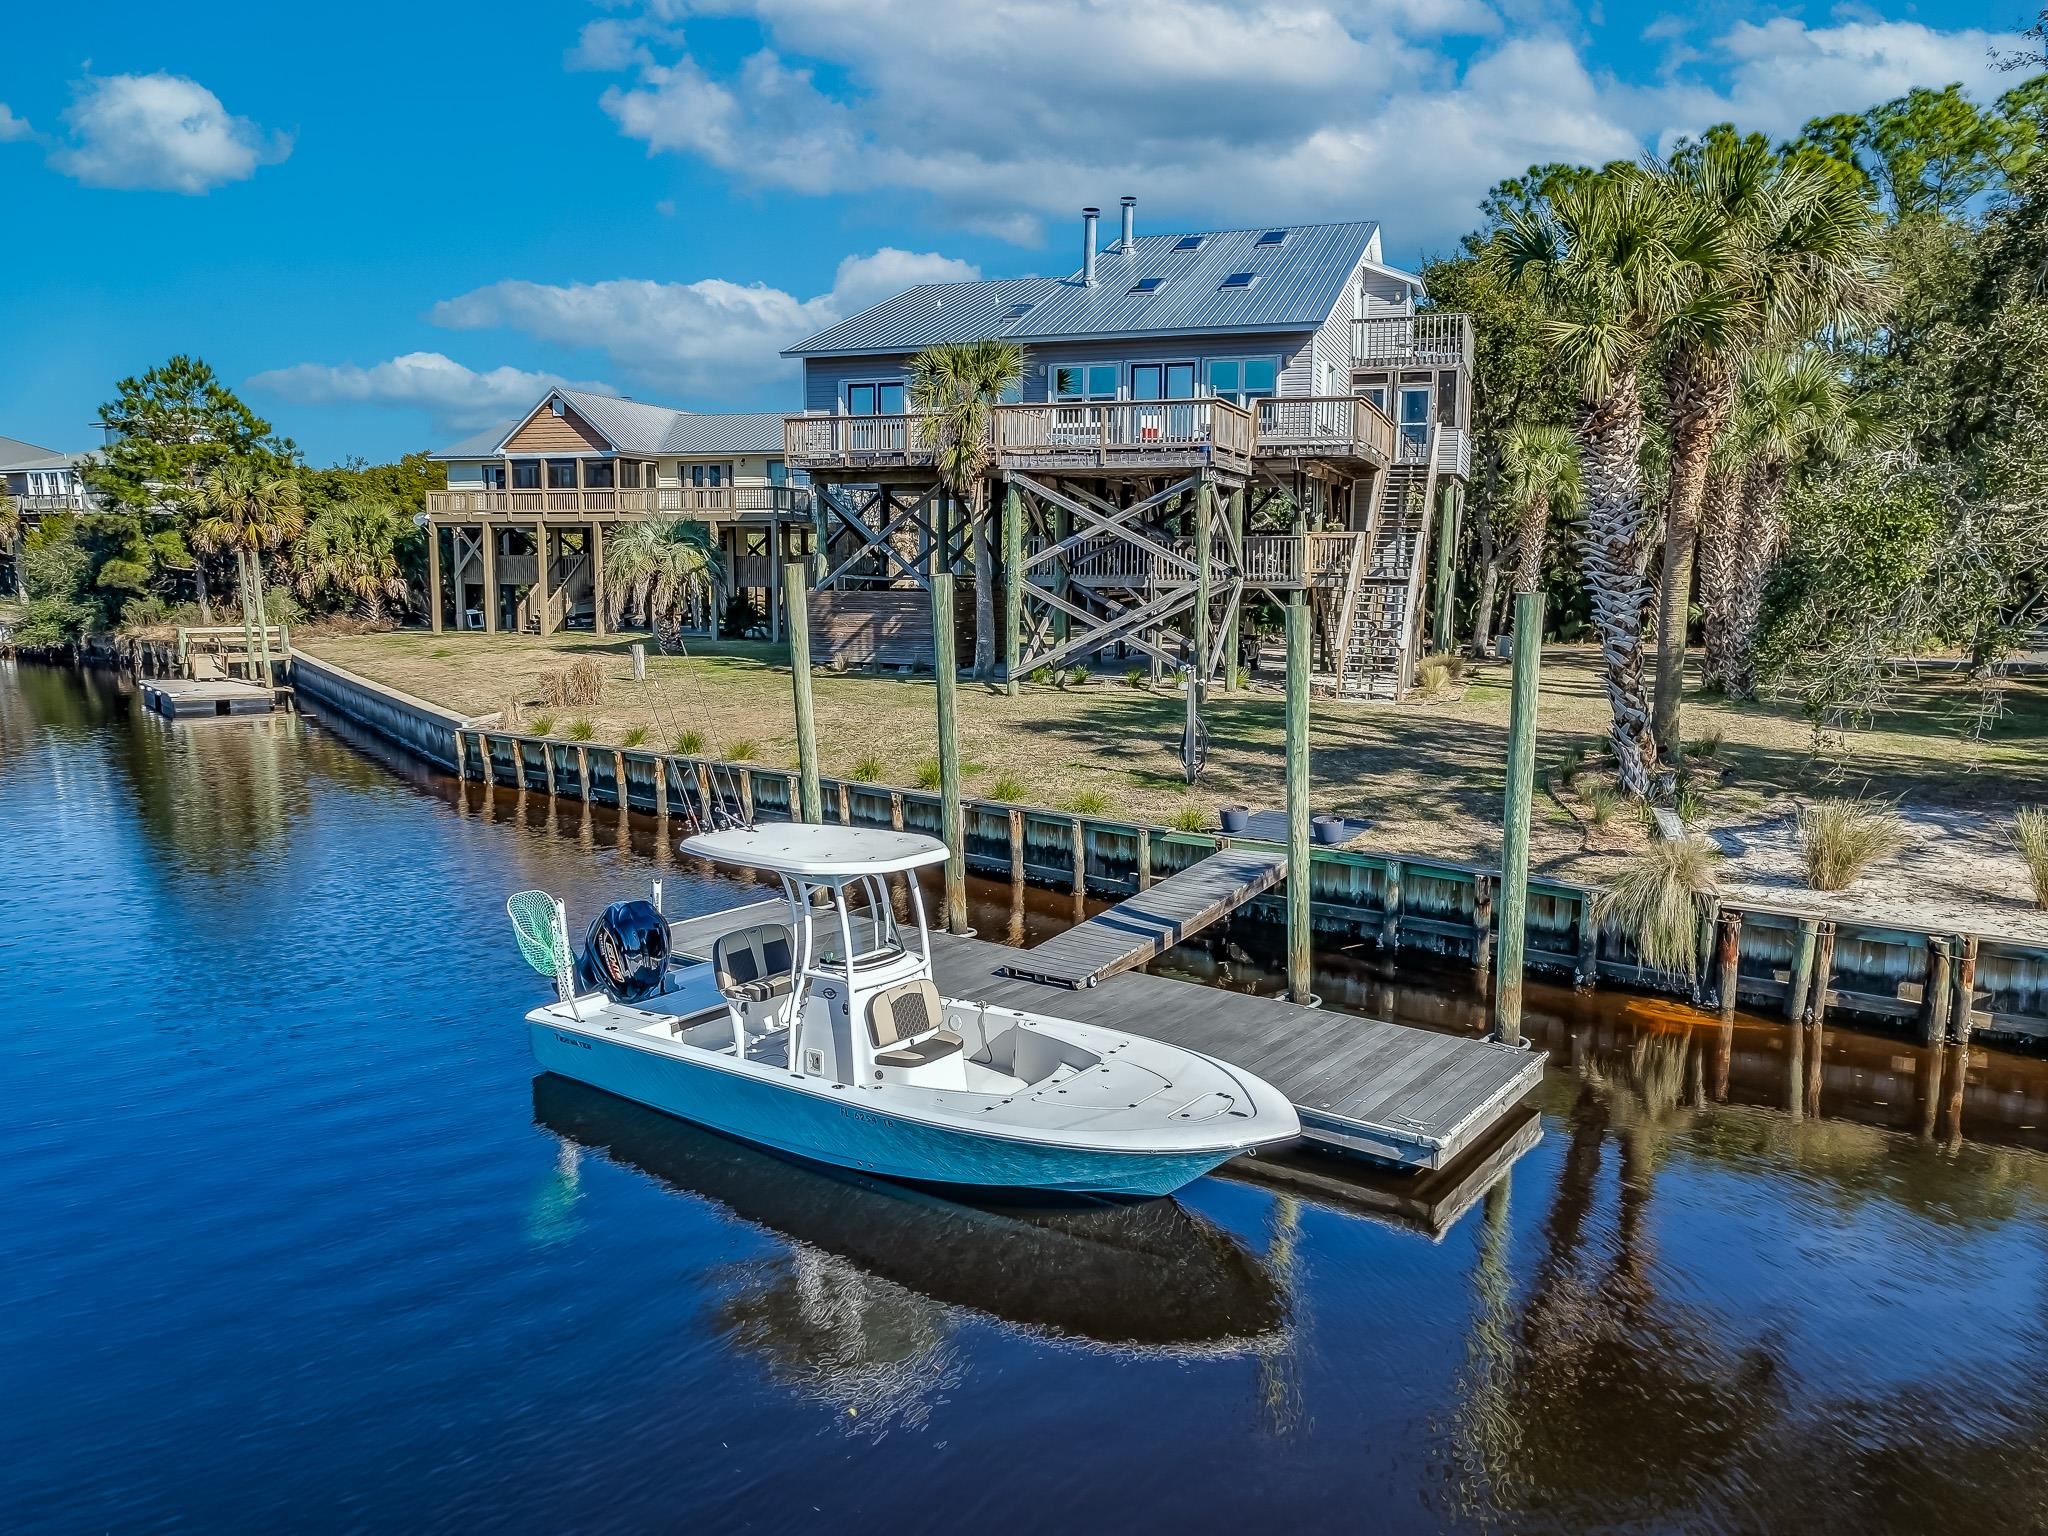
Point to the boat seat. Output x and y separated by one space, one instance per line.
754 964
903 1022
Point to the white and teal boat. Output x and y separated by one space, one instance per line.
822 1035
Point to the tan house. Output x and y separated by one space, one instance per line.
516 542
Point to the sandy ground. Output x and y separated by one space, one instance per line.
1426 776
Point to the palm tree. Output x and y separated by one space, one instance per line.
1601 253
956 386
245 506
1772 251
350 552
1539 475
656 567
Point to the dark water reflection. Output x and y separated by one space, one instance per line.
297 1238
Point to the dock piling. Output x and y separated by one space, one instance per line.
811 808
1937 994
945 673
1521 783
1802 969
1298 956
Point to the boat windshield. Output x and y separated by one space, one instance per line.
870 906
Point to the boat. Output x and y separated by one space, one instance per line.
822 1035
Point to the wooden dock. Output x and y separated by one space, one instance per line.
1147 925
178 698
1406 1097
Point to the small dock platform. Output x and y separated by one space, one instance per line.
1405 1097
177 698
1150 923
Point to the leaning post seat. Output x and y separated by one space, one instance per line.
903 1022
755 964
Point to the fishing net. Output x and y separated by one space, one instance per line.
541 928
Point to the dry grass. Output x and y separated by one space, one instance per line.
2030 837
576 686
1653 900
1842 838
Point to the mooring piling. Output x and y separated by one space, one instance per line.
1514 849
1298 874
811 807
945 674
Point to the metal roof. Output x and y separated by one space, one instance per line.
17 455
634 426
1300 282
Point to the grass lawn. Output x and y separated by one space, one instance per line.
1425 774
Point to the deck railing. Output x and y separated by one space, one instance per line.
1125 427
1299 559
62 501
1323 421
623 501
1427 340
837 439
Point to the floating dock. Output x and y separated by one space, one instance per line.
177 698
1150 923
1406 1097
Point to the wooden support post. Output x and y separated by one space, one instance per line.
661 787
490 543
1704 938
1801 975
1586 966
1298 956
845 805
1013 584
542 539
1062 525
1727 962
1016 846
625 801
462 755
952 825
1823 973
777 583
1963 1018
639 655
896 809
1233 631
582 773
1205 518
1440 620
1392 897
1521 786
597 594
1937 994
809 807
1144 858
1482 926
747 796
1078 835
434 577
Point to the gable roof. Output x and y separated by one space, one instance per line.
18 455
1299 281
634 426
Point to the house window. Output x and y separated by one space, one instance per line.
597 474
1189 242
1147 285
629 474
874 399
713 475
1242 379
494 477
561 474
778 472
1162 381
1095 381
1447 399
526 474
1240 280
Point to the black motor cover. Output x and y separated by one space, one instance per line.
625 952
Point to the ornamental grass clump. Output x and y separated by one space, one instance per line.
577 686
1188 817
581 730
541 725
1088 802
1843 838
742 752
689 743
636 737
2030 837
1654 903
927 775
1008 787
867 770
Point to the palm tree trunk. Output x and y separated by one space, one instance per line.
1720 529
1702 398
1763 534
984 580
199 585
1610 436
1530 528
1489 577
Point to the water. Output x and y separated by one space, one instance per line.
295 1236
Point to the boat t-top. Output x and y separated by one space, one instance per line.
819 1032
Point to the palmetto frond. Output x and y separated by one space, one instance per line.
955 388
656 566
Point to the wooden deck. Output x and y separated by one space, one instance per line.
1406 1097
178 698
1147 925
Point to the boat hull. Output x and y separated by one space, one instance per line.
824 1130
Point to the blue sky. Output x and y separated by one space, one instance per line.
392 224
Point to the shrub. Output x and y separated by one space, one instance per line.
1008 787
1843 838
742 751
581 730
2030 837
1188 817
689 743
928 774
1042 676
1692 806
1077 677
1652 901
636 737
1135 677
867 769
1454 664
1601 802
541 725
1241 677
1087 802
577 686
1708 742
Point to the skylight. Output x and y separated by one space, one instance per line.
1240 280
1147 284
1022 308
1272 237
1189 242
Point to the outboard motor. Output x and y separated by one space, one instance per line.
625 952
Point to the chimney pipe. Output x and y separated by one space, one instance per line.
1088 218
1130 219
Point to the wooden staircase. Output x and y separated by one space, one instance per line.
1379 653
568 584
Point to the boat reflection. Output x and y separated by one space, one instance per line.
874 1267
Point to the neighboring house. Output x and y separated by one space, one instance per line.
42 479
576 465
1203 415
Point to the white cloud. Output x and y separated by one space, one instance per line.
161 132
1006 111
710 337
12 127
452 395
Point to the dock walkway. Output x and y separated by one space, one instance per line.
178 698
1151 922
1408 1097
